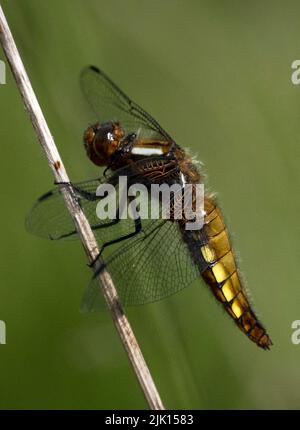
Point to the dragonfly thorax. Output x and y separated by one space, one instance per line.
101 141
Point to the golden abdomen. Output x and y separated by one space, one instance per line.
223 278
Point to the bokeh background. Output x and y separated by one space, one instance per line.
218 77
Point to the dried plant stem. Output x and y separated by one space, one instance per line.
83 228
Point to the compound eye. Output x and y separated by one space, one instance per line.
89 135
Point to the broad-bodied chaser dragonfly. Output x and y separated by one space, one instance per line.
153 258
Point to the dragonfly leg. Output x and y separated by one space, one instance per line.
138 228
62 183
94 261
80 193
137 225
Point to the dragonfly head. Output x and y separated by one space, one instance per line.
101 141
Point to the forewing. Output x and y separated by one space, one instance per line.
109 103
50 219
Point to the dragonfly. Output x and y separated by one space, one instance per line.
148 259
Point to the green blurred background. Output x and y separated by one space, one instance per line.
217 75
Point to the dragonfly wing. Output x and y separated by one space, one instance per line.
50 219
109 103
153 265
